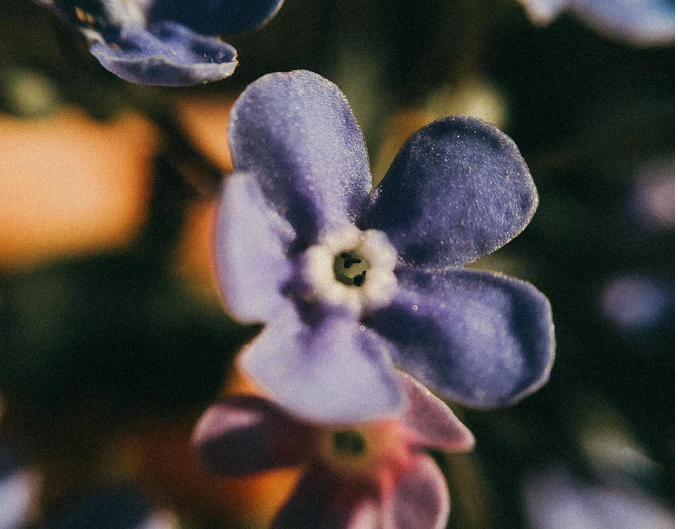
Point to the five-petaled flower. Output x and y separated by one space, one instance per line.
348 282
164 42
367 475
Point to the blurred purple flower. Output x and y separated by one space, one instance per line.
555 499
635 301
653 196
347 282
164 42
364 476
640 22
18 491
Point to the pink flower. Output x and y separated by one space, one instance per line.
367 475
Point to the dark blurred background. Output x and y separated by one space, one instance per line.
112 337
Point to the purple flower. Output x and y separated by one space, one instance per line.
635 301
640 22
362 476
555 498
164 42
348 281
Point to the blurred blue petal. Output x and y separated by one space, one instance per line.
457 190
478 338
639 22
653 196
112 506
635 302
18 491
555 499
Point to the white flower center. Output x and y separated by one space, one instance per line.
352 269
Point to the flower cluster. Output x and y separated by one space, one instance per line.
366 475
163 42
349 281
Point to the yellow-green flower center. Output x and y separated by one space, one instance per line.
350 268
349 443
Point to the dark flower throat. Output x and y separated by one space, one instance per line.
350 268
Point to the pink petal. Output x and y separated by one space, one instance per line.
421 499
434 423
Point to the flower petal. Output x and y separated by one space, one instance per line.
251 246
296 132
322 500
208 17
165 53
432 420
332 372
647 23
457 190
243 434
421 498
479 338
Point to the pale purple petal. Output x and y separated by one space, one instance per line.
215 17
18 494
115 505
325 501
296 132
640 22
555 498
251 242
479 338
457 190
332 371
243 434
165 53
421 499
432 420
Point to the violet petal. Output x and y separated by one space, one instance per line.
330 372
421 499
243 434
432 420
251 244
457 190
296 132
324 501
209 17
164 53
647 23
479 338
